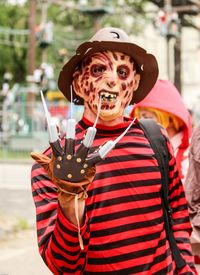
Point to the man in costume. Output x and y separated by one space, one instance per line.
99 210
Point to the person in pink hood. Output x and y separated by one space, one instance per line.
165 105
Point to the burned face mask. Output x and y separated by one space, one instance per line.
111 76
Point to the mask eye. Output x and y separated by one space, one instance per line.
97 70
123 71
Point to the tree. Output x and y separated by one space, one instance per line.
75 24
13 56
71 26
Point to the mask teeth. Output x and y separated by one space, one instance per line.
98 112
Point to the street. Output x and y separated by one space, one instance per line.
19 253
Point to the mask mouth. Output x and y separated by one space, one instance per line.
108 96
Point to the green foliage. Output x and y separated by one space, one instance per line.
71 27
12 58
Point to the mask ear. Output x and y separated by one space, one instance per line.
137 81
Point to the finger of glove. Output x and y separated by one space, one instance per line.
69 147
93 159
56 148
43 161
82 152
40 158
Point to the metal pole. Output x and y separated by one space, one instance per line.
168 57
177 63
32 38
168 9
97 23
43 22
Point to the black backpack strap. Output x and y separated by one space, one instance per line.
159 145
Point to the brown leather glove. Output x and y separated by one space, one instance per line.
71 172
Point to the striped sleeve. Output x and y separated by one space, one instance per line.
181 223
57 237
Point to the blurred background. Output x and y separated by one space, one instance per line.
37 37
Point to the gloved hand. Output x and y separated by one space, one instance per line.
71 171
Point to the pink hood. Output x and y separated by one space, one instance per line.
164 96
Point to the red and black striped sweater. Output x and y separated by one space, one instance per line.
124 230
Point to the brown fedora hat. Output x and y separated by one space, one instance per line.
112 39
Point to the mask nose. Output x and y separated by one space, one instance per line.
111 83
111 79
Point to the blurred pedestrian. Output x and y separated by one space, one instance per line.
192 185
165 105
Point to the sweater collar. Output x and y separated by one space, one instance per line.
84 123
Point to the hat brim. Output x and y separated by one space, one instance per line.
146 65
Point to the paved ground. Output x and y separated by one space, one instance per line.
18 253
